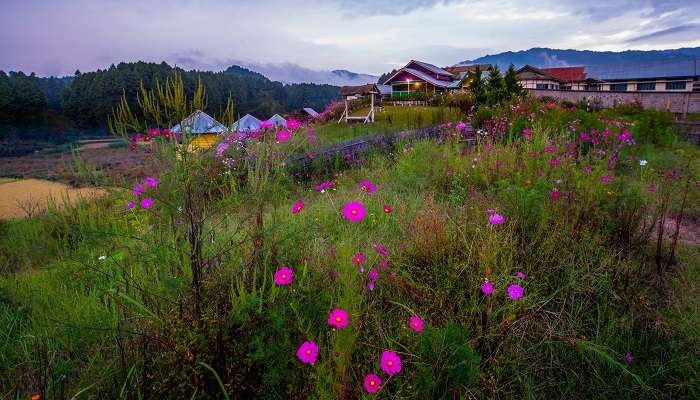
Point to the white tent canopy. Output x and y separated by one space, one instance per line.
199 123
246 123
277 120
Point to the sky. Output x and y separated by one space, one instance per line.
56 37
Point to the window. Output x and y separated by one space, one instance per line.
678 85
543 86
618 87
646 86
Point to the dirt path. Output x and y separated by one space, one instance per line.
25 197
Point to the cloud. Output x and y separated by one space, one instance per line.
359 8
675 33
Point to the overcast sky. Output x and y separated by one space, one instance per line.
371 36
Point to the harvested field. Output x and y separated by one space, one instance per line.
25 197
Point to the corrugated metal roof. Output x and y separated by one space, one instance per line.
310 111
199 123
646 70
567 73
277 120
431 67
246 123
384 89
444 84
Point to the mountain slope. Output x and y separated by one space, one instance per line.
289 73
546 57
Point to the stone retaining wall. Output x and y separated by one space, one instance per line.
677 103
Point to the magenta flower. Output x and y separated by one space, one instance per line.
354 211
367 186
550 149
487 288
388 209
460 126
651 189
532 154
265 125
555 194
283 136
338 318
293 124
515 291
521 275
308 352
605 179
138 190
324 185
527 133
628 359
298 206
359 258
146 203
284 276
555 162
130 205
390 362
539 172
496 219
381 250
587 169
372 383
373 274
416 323
152 182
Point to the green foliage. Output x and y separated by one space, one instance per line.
448 362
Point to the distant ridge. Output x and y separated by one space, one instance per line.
546 57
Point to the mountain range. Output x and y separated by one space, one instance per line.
546 57
288 73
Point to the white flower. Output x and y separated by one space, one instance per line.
642 162
102 258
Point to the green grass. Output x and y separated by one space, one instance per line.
392 119
98 299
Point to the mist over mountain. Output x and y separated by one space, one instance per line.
546 57
289 73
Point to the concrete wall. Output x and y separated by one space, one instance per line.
675 102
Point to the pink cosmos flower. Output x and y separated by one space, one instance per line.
539 173
308 352
527 133
324 185
381 250
293 124
651 189
605 179
359 258
367 186
338 318
416 323
298 206
555 194
354 211
496 219
384 264
373 275
521 275
515 291
387 209
284 276
487 288
130 205
138 190
460 126
555 162
587 169
550 149
283 136
390 362
372 383
152 182
146 203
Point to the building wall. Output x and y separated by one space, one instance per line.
633 86
675 102
532 83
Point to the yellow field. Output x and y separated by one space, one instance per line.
30 196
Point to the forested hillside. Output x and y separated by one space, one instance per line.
48 108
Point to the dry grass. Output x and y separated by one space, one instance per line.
27 197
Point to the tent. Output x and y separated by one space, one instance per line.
199 123
247 123
277 121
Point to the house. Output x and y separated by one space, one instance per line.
656 76
418 76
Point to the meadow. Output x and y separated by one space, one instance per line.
553 258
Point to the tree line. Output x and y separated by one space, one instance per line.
53 108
